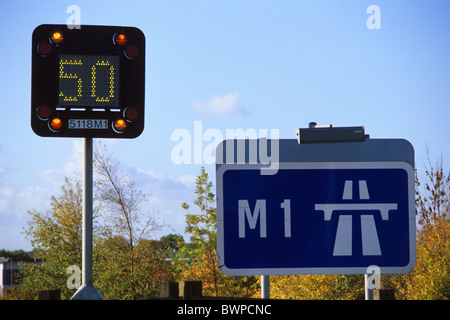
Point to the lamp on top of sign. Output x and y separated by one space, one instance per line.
88 82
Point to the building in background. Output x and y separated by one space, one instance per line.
9 272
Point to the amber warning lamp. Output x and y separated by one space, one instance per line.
120 39
120 125
57 37
55 124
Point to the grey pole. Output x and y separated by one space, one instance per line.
87 291
265 287
368 287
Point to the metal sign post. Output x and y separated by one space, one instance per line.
87 291
265 287
368 288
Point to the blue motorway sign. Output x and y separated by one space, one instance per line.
316 218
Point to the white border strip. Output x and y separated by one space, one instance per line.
316 165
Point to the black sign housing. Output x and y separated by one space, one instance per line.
88 82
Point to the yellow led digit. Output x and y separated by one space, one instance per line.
94 80
64 75
93 86
111 82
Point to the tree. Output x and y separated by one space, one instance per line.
433 201
172 243
430 278
56 239
126 264
317 287
124 227
199 255
16 254
197 259
151 268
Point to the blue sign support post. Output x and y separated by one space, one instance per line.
328 208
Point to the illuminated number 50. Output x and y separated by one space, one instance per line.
63 74
111 81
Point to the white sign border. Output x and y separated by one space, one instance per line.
316 165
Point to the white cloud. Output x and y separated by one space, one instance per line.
220 105
167 193
2 171
188 180
165 190
15 201
73 167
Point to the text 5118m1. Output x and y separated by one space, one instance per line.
88 124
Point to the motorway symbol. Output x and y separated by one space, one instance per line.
343 240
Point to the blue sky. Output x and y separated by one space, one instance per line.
232 64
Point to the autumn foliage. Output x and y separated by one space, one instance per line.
128 265
197 259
